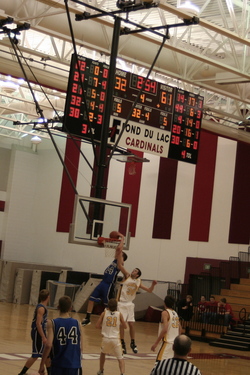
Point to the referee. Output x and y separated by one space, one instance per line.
178 365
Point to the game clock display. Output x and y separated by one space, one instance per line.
157 105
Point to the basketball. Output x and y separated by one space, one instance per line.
114 234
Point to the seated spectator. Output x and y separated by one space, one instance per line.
202 305
211 311
185 308
225 311
178 365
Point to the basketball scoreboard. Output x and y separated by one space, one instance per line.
165 120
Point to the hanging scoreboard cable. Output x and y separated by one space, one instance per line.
165 120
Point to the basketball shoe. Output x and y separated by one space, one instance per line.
133 347
85 322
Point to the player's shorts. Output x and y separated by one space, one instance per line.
65 371
112 347
165 352
128 310
37 345
101 293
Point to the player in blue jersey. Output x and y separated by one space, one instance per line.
64 341
38 331
105 290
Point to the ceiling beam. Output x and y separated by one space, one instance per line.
206 24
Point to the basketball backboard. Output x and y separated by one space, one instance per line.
95 217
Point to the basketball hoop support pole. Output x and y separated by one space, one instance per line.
109 100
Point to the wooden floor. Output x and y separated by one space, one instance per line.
15 347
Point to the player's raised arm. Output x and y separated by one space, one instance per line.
120 265
119 248
151 288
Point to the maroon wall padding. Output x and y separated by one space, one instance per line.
165 194
131 190
153 314
2 205
239 231
203 188
195 266
67 197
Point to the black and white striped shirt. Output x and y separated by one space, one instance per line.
175 366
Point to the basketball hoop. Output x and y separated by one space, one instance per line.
132 159
110 245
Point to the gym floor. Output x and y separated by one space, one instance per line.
15 348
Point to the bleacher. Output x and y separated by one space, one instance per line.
231 281
238 296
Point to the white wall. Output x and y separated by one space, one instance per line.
28 225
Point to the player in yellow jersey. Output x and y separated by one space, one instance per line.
126 294
110 322
169 329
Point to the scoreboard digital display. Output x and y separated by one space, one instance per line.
186 125
165 120
86 96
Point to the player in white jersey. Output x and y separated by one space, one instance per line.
110 322
169 329
126 294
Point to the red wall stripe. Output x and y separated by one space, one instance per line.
67 196
239 231
203 188
131 189
2 205
165 198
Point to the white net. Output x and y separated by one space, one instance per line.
110 247
109 244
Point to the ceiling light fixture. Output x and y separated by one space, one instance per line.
9 86
35 140
190 8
